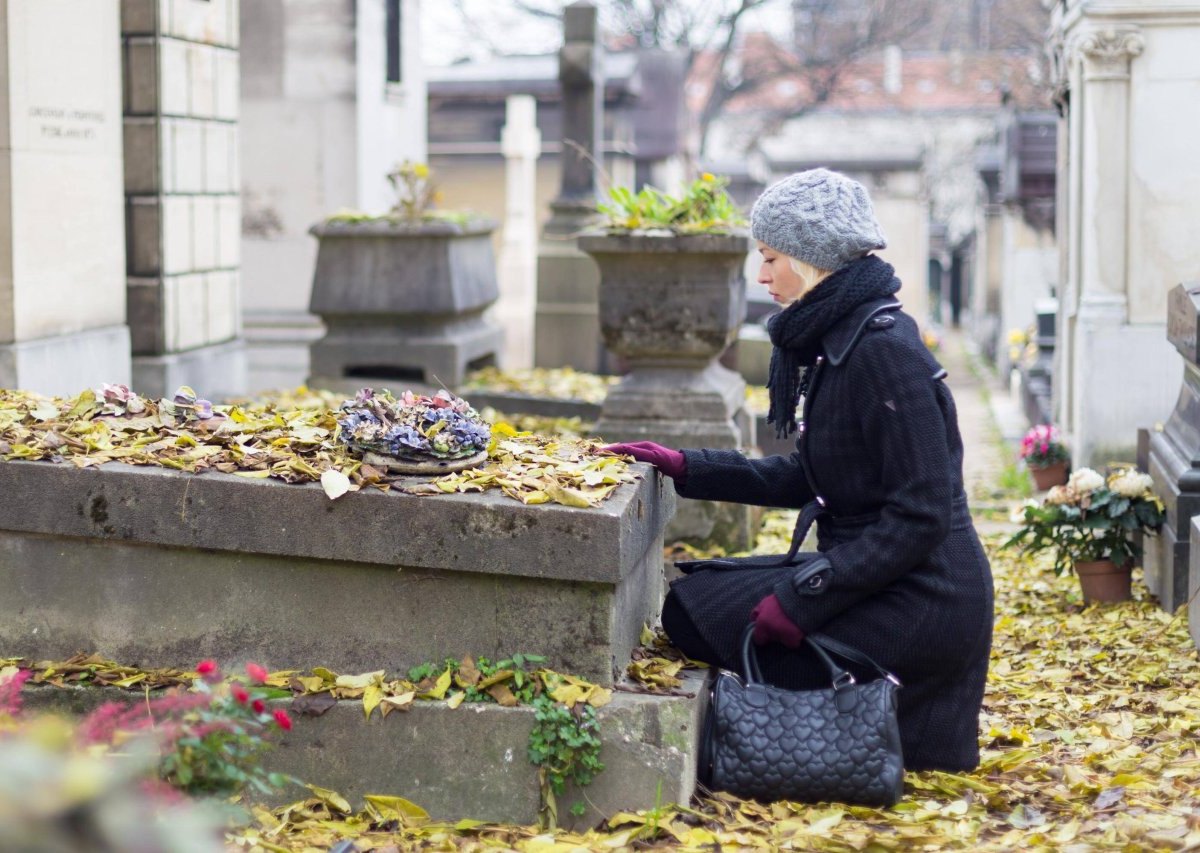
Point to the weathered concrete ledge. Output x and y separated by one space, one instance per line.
471 762
162 568
512 403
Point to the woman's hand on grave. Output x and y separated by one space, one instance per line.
670 462
772 625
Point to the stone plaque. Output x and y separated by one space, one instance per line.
1183 319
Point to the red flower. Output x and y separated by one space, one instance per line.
206 667
259 706
241 694
285 722
257 674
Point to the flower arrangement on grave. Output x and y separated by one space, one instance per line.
413 427
1088 524
1045 455
703 208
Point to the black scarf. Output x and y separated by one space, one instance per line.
796 331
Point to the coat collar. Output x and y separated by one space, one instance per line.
839 341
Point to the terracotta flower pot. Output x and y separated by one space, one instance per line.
1104 580
1048 476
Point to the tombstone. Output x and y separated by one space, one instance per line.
1170 452
182 184
567 332
62 235
521 142
1037 379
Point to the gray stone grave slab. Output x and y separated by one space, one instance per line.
162 568
471 762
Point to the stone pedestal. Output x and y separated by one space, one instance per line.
567 330
62 230
403 303
669 306
1172 458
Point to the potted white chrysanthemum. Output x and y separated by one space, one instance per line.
1089 524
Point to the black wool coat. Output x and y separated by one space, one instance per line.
911 586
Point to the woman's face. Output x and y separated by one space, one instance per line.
783 283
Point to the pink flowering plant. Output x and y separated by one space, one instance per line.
1093 517
1042 447
211 737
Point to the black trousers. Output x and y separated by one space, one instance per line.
681 631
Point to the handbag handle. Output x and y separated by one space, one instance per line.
821 644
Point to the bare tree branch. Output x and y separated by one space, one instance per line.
831 36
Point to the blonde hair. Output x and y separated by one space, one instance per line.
810 275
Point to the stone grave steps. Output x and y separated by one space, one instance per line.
158 568
470 761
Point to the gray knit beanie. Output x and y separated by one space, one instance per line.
817 216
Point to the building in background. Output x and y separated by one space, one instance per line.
906 124
1016 256
332 99
1128 199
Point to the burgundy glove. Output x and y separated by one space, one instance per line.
772 625
670 462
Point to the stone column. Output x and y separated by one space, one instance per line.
183 198
62 234
1171 453
521 143
1130 182
567 330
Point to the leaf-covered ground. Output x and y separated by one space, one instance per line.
1090 735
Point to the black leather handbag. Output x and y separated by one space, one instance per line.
839 744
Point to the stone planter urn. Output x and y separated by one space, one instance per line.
669 306
403 303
